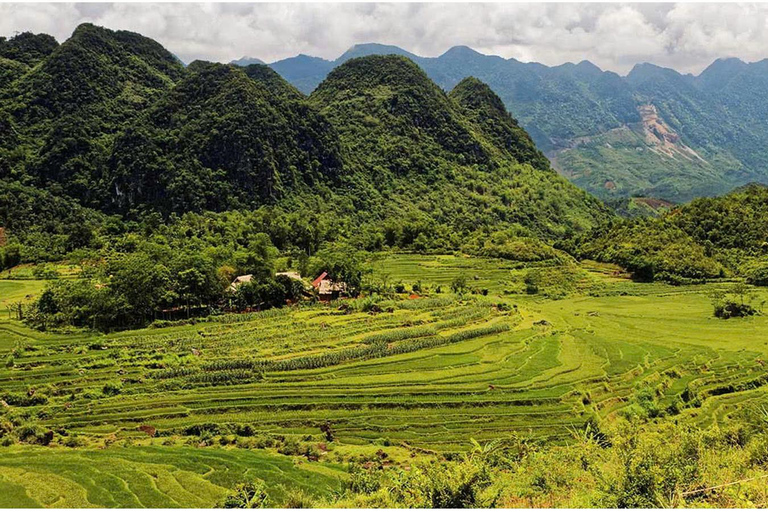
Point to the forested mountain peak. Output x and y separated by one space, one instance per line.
246 61
484 108
120 44
366 49
390 98
222 139
720 72
646 71
460 52
27 48
374 70
96 65
65 112
270 79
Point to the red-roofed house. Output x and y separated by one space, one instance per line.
320 278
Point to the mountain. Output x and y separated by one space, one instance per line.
422 158
485 109
367 49
654 133
303 71
27 48
112 122
64 113
246 61
223 138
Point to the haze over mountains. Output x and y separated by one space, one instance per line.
655 132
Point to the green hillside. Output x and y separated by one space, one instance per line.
706 238
435 155
654 132
63 115
219 140
113 122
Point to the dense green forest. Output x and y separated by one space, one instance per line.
707 238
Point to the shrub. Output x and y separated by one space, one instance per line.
759 276
111 389
248 495
459 284
733 303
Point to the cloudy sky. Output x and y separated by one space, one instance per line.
687 37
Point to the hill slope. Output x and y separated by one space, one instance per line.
62 115
221 139
705 238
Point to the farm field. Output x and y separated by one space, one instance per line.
425 374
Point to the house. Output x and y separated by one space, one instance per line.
238 281
327 289
318 280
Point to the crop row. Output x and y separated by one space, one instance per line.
376 350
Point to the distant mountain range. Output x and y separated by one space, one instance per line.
654 132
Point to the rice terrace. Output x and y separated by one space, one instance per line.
176 416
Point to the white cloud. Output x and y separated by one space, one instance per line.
686 37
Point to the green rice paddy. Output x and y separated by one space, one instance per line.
427 373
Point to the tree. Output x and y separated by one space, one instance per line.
196 280
143 283
459 284
342 262
759 276
259 257
734 302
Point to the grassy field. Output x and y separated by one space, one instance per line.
425 374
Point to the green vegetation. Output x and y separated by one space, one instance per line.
490 347
706 238
375 401
654 133
378 157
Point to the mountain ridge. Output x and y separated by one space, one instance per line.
588 121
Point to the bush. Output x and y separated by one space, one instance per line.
759 276
459 284
111 389
733 303
45 272
248 495
730 309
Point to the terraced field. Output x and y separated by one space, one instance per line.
155 477
425 373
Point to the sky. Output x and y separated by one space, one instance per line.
686 36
